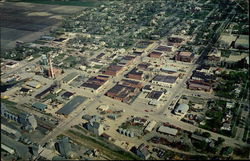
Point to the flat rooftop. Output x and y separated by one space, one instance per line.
71 105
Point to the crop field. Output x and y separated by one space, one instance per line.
27 22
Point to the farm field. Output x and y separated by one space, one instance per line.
27 22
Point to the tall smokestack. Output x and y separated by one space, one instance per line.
51 71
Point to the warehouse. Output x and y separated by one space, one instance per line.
71 105
167 130
70 77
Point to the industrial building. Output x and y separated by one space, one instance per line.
96 82
70 77
155 54
71 105
135 74
165 80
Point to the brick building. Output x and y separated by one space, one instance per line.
184 56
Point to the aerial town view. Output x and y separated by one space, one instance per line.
124 80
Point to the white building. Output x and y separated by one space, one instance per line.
181 110
150 126
167 130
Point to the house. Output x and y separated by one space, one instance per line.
142 152
184 56
163 80
181 109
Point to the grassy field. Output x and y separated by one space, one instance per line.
85 3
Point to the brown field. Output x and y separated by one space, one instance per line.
28 21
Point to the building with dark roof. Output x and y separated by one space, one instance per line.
96 82
63 146
202 76
71 105
164 48
135 74
184 56
39 106
155 54
131 83
155 95
142 152
147 88
143 66
113 70
199 85
165 80
67 95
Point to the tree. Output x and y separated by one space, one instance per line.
206 134
219 141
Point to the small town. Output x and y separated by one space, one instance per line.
125 80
